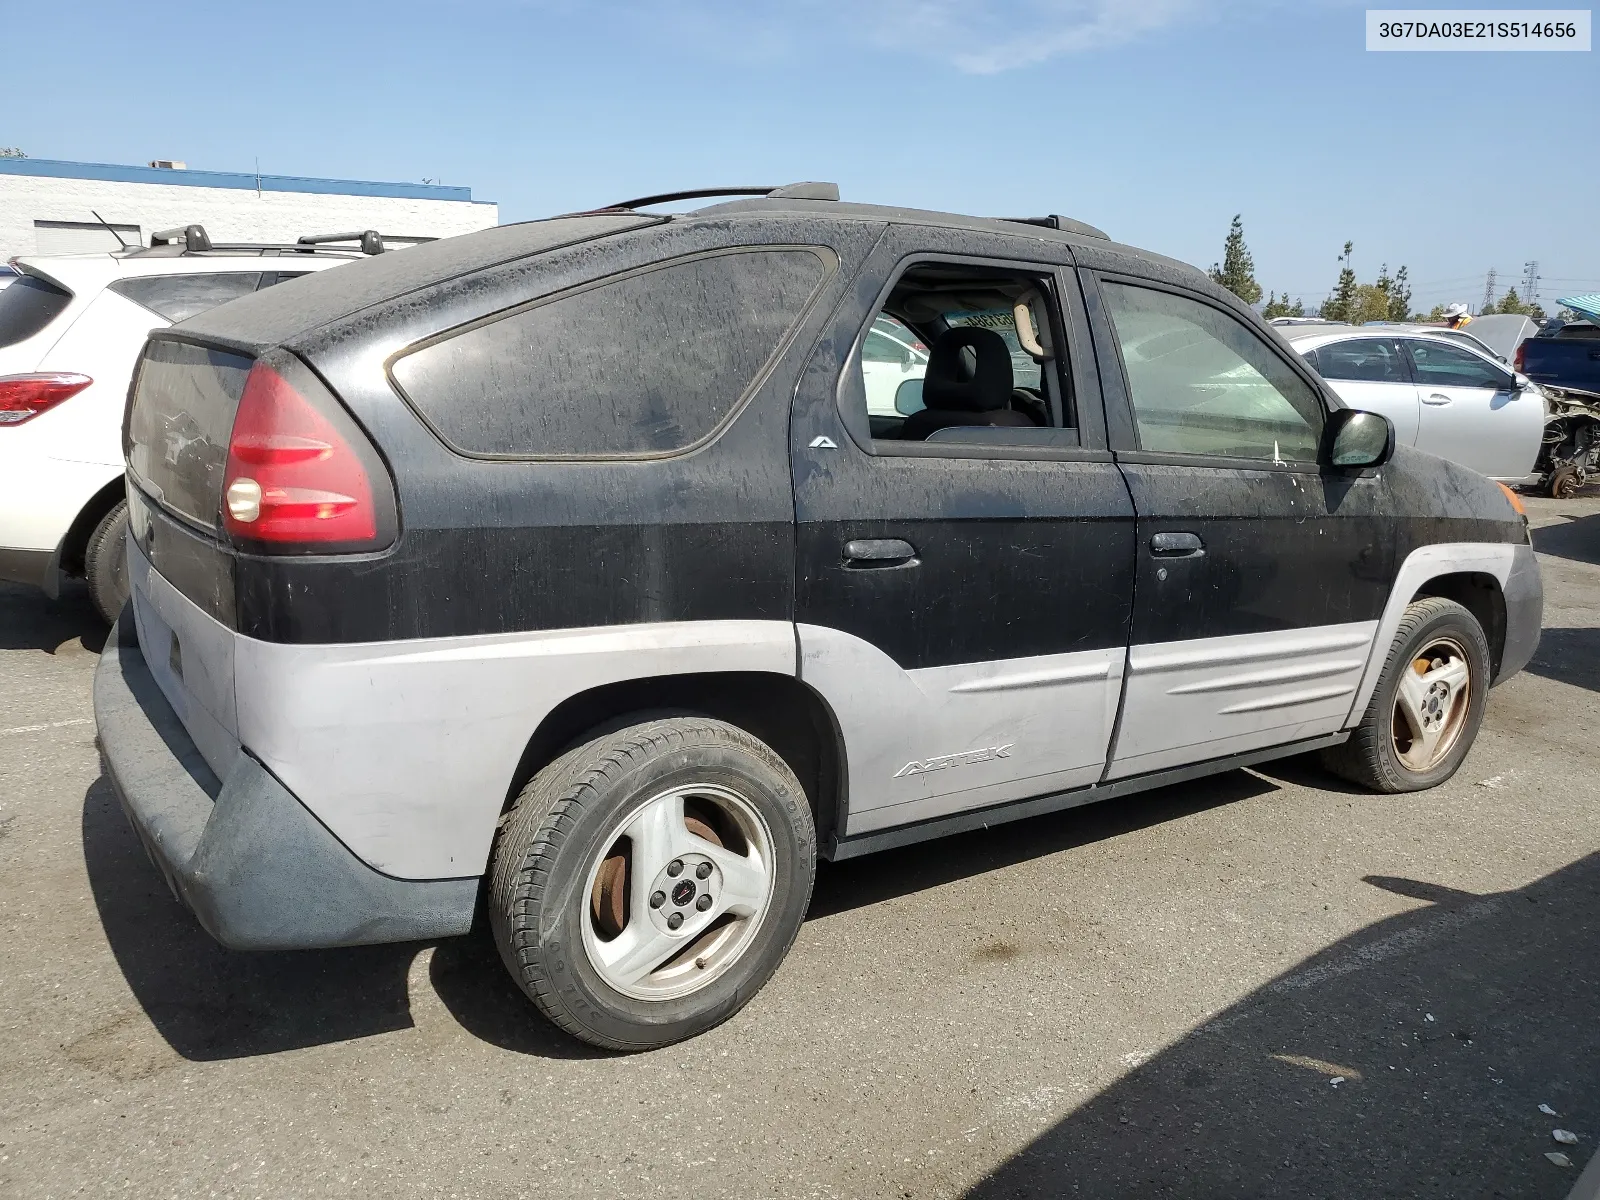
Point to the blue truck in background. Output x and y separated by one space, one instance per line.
1564 360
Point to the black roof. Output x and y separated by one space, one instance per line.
279 314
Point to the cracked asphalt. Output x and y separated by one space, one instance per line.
1262 984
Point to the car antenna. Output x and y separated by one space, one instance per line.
109 228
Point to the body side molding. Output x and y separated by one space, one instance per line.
964 822
1052 715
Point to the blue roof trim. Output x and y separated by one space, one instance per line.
112 173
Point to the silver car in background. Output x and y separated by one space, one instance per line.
1444 396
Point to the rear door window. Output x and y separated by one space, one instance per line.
642 364
27 306
179 297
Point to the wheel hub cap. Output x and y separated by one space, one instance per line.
1431 705
678 891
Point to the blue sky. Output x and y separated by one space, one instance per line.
1155 119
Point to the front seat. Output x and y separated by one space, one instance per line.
963 389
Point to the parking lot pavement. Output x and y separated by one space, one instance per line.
1261 984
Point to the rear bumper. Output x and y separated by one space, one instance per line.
242 853
1524 596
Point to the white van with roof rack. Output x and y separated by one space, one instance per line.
71 328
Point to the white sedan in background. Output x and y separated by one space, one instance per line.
1443 397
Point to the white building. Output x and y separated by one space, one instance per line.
50 207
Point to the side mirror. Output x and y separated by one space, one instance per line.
1359 439
908 397
1519 380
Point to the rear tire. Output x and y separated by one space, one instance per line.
1427 707
105 562
647 883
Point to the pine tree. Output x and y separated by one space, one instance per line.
1400 296
1275 307
1341 303
1238 270
1512 303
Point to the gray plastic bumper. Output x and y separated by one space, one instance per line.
1524 597
246 857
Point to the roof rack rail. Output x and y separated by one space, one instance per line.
194 237
789 191
371 240
1065 224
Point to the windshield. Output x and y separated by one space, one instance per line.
27 306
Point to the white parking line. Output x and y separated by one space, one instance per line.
48 725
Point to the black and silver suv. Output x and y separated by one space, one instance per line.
562 568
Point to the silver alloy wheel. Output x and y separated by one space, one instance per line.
689 906
1430 705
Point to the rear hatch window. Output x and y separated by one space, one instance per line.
27 306
179 423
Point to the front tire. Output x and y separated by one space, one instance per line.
647 883
1427 707
105 563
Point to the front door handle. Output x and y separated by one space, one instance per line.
1436 398
1177 545
879 552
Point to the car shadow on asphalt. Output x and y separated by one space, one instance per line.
1577 539
1407 1059
883 876
1568 656
212 1003
30 620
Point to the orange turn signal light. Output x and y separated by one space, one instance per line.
1516 500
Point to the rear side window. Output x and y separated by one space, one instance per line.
1365 360
179 297
184 403
641 364
27 306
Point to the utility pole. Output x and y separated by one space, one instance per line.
1488 290
1530 281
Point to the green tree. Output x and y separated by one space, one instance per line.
1370 303
1513 303
1279 306
1435 314
1536 311
1238 270
1341 302
1400 296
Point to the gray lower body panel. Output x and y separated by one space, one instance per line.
242 853
1524 597
36 568
1020 810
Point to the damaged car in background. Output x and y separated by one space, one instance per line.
1564 361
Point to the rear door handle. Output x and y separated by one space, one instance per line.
1436 398
879 552
1177 545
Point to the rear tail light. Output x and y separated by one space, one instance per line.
23 397
1520 357
300 473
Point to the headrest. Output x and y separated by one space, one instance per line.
952 381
